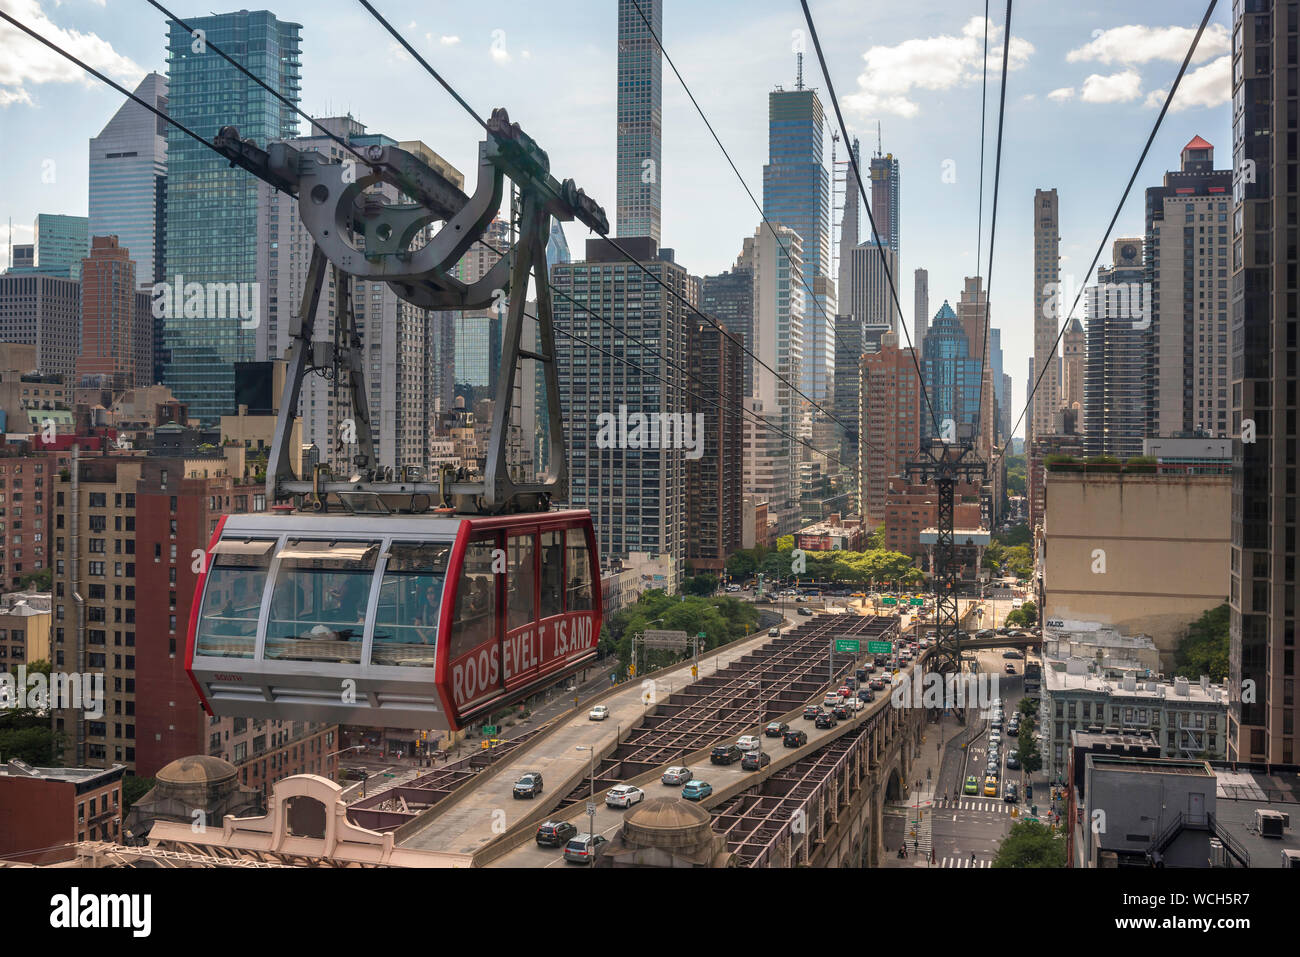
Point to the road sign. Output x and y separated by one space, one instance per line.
664 639
887 600
591 808
850 645
489 729
918 601
880 647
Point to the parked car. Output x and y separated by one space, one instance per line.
529 786
794 739
584 849
697 790
726 754
624 795
775 729
1011 795
598 713
556 833
1009 668
991 786
749 742
811 711
676 775
755 760
826 719
972 785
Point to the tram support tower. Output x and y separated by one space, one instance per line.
945 464
359 233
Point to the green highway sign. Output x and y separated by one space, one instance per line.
489 729
887 600
880 647
851 645
918 601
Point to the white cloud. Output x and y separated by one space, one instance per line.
1116 88
24 61
1029 97
1138 44
449 41
1061 94
932 63
1209 86
397 53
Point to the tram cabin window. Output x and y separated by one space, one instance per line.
475 620
521 581
410 600
318 604
552 574
232 598
579 572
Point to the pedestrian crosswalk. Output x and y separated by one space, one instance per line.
974 804
964 862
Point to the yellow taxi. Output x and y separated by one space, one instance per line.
991 786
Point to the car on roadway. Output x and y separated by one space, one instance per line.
866 694
624 795
584 849
1011 794
831 701
755 761
774 729
529 786
598 713
842 711
995 736
676 775
855 704
826 719
811 711
991 786
1012 653
726 754
749 742
869 667
972 785
697 790
878 684
794 739
556 833
1013 760
806 612
774 632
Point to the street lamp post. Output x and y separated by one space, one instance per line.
591 804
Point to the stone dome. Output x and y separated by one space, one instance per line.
667 822
200 769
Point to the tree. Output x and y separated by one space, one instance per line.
876 540
701 585
785 542
1016 535
1031 844
134 788
40 580
1031 760
1016 474
1029 612
1204 649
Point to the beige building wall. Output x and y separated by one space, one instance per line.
1165 545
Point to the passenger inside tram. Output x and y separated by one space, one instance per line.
475 620
232 601
318 605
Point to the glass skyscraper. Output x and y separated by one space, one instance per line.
212 209
952 373
61 243
797 194
640 119
128 180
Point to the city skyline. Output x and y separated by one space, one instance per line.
1050 95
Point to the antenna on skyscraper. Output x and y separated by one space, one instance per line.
798 79
880 143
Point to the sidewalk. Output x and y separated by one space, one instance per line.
921 791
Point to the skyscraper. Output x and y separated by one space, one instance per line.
1262 585
999 400
850 235
1114 381
920 306
108 314
128 180
212 209
848 381
776 263
797 194
884 199
1187 275
640 119
972 311
951 374
1049 309
715 480
636 493
61 242
872 301
729 298
1074 353
891 415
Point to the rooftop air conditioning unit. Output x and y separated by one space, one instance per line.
1270 823
1291 859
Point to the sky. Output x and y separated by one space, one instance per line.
1084 87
